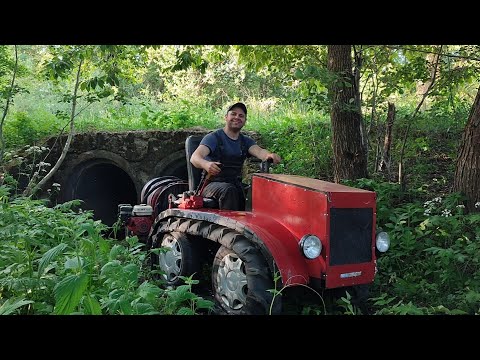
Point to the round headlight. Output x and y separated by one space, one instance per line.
311 246
383 241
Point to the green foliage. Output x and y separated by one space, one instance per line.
431 267
432 264
189 57
346 306
49 256
433 255
7 66
303 127
184 115
11 305
24 128
69 292
182 301
56 261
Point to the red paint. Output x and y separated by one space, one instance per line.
280 242
140 226
191 202
287 207
302 206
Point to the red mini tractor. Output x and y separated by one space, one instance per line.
299 230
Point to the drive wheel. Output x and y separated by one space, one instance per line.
180 259
241 281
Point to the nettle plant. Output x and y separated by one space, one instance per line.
434 264
55 261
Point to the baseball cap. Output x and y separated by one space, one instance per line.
239 105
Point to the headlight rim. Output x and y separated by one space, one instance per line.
303 249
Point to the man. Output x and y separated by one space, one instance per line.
222 154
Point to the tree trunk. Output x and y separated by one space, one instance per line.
387 143
467 172
349 149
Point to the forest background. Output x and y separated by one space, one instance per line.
413 115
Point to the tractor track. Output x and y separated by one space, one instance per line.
258 272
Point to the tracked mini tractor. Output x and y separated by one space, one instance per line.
296 230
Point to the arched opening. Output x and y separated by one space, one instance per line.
102 186
178 169
174 164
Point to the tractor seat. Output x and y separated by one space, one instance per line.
194 174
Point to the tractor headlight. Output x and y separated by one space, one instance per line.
383 241
311 246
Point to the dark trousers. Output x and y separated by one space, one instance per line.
229 196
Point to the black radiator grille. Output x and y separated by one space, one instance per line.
350 236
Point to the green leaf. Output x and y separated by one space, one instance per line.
49 256
84 227
74 263
298 74
181 293
92 306
204 304
148 291
116 251
112 267
458 312
125 307
68 293
185 311
103 245
9 306
145 309
131 272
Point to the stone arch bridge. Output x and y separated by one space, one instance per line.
105 169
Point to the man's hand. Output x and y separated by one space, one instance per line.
213 167
275 158
263 154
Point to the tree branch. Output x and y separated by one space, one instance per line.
5 111
31 190
425 94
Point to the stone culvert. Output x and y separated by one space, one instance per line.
105 169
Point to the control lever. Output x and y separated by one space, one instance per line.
205 179
265 166
204 182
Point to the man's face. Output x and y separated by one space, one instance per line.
235 119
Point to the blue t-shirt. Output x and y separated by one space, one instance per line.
231 147
232 150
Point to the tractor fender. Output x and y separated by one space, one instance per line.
278 245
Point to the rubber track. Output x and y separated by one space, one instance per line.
258 278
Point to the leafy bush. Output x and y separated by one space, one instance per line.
55 261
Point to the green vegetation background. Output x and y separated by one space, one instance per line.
54 260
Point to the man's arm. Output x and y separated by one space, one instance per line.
198 160
263 154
